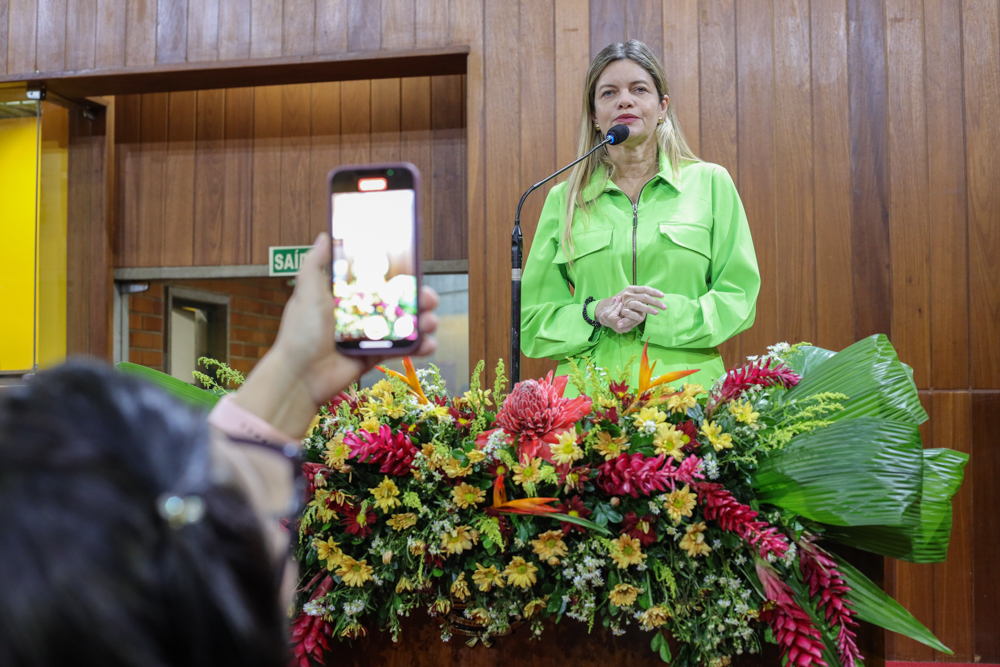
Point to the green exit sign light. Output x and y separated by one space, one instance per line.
285 260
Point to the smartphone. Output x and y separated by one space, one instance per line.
375 272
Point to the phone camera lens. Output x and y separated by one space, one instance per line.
388 172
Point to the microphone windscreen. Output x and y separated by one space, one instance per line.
618 134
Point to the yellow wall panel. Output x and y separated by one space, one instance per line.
18 178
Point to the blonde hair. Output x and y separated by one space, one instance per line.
669 137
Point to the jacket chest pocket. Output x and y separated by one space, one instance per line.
687 246
587 245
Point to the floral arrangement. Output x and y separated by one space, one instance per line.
666 508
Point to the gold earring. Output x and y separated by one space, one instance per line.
597 127
660 121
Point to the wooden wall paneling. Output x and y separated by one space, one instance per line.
718 113
177 238
682 62
22 35
140 32
172 30
126 177
386 120
953 593
237 172
502 118
572 44
912 584
364 25
431 23
331 26
451 231
78 221
831 175
398 24
152 174
415 146
324 152
355 122
949 250
538 155
266 22
984 472
296 126
467 27
298 30
266 171
81 33
607 24
234 29
756 155
111 33
209 177
981 30
102 140
51 48
793 154
909 231
870 247
203 31
644 22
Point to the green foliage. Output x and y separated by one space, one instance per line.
499 382
226 378
490 527
180 390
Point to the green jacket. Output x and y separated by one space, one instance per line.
688 237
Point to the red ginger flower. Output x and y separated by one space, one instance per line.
721 506
309 633
800 642
632 474
755 374
393 451
820 573
537 413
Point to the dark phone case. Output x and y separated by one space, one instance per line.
379 170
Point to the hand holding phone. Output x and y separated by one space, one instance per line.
375 268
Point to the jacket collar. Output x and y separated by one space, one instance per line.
599 182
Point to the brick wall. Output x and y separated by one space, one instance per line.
255 309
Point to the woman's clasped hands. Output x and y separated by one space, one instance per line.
628 309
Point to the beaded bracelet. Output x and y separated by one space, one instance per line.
586 318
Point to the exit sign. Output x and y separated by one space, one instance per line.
285 259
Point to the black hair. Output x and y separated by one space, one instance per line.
90 572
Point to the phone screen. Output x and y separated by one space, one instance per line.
374 260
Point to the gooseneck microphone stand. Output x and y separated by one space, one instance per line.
616 135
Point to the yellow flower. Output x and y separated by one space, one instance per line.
521 573
453 468
386 495
647 420
434 460
550 544
354 630
402 521
404 585
370 424
481 397
680 502
354 573
682 402
624 595
486 577
566 451
466 495
319 501
337 451
528 473
476 456
625 551
418 548
535 606
716 437
693 389
459 588
328 551
653 617
480 616
694 540
744 412
669 440
440 412
458 540
440 606
610 447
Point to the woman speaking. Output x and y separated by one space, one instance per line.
643 243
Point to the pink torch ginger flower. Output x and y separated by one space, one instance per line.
537 413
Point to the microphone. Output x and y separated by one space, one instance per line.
615 135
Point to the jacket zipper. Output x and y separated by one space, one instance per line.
635 226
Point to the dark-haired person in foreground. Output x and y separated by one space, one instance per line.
134 533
